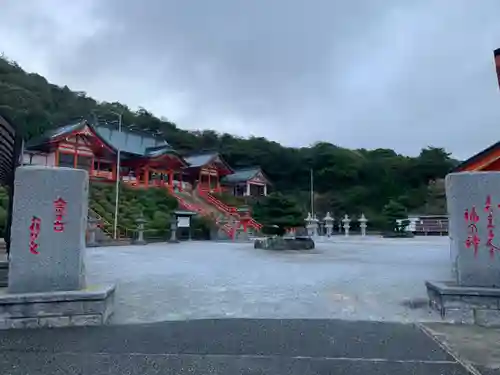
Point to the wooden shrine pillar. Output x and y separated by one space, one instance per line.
146 176
171 178
137 176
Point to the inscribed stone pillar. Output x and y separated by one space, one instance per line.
473 200
48 229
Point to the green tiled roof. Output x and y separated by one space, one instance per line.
53 133
241 175
127 141
153 152
135 143
199 160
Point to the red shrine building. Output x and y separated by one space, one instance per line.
486 160
145 160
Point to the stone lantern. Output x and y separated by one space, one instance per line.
92 229
309 224
140 230
362 224
328 224
173 229
346 221
315 225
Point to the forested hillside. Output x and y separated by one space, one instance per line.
346 181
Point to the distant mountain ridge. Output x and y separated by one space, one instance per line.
346 181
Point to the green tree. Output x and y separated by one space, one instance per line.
435 203
278 212
392 212
345 180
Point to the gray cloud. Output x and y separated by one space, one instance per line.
358 73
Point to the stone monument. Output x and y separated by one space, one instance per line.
362 224
47 285
346 221
328 224
473 294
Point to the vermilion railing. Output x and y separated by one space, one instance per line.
203 212
221 206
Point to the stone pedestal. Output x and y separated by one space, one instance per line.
46 272
473 201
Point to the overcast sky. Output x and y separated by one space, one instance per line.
357 73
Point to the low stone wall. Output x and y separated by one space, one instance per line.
466 305
92 306
280 243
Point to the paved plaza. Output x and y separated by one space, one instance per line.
347 278
338 309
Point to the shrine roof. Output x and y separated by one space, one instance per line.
199 160
479 160
244 174
131 142
153 152
55 133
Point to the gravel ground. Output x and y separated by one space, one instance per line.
346 278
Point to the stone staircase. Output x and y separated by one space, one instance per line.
205 196
189 200
226 218
103 233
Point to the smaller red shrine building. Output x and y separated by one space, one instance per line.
145 160
486 160
247 182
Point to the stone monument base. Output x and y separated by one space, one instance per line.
466 305
280 243
92 306
4 273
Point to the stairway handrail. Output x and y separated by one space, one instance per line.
228 209
201 211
